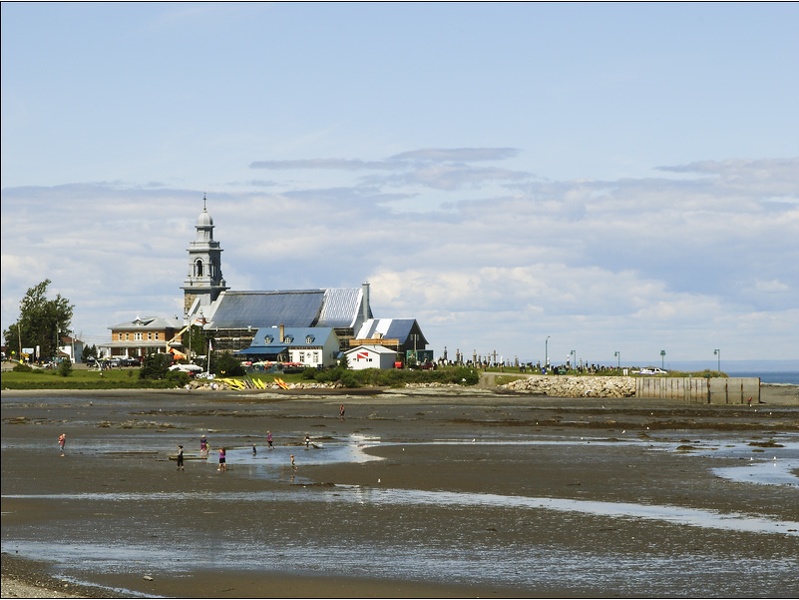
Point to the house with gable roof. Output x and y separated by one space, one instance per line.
308 346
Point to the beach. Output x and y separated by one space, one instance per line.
413 493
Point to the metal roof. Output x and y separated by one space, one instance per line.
332 307
292 308
399 329
342 307
267 339
148 324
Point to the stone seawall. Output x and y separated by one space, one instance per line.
716 390
584 386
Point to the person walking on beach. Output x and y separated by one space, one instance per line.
62 442
269 440
254 450
341 412
203 446
293 466
180 458
222 457
307 441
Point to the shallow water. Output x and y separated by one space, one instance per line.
480 538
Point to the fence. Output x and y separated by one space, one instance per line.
701 390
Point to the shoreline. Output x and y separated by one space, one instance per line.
411 414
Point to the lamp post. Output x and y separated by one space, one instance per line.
546 352
617 354
717 352
663 359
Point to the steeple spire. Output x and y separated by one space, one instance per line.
204 281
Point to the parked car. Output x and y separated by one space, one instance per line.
651 371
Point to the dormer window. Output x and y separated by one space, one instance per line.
309 339
288 339
268 339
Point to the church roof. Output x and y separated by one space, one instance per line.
399 329
332 307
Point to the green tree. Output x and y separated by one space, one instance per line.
65 368
155 366
41 323
88 351
227 365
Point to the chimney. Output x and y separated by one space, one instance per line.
365 287
282 332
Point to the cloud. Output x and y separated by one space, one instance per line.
333 164
455 154
500 261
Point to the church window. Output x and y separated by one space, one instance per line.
198 268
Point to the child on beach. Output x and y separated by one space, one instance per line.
180 458
203 446
62 442
269 440
222 464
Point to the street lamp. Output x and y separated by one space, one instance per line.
662 359
546 352
717 352
617 354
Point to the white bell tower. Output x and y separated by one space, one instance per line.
204 281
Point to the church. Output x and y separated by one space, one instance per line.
232 319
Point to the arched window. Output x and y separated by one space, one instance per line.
198 268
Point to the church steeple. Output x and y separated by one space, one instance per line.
204 281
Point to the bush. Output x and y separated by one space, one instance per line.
398 377
178 378
65 368
155 366
227 365
20 368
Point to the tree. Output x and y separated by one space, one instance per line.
155 366
41 323
227 365
88 351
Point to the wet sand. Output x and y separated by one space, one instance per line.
406 422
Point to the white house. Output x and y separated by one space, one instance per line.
371 357
309 346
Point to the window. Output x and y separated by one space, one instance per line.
302 357
268 339
198 268
137 336
309 339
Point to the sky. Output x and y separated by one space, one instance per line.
530 179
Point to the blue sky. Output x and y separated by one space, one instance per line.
618 177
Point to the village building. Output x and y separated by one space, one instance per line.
304 325
233 317
71 348
316 347
371 357
142 336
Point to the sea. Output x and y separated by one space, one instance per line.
775 377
